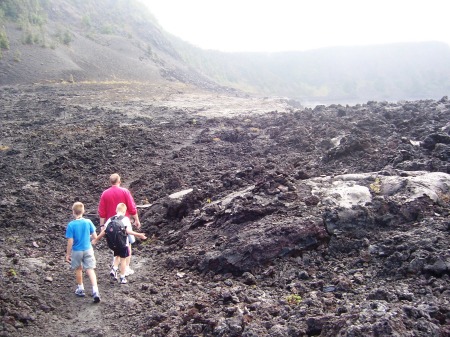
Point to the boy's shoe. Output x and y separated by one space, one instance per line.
129 271
96 297
123 280
80 292
113 273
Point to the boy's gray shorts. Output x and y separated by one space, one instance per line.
83 258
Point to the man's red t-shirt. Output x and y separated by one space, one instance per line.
111 198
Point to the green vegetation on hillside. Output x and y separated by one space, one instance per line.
110 17
29 16
24 12
4 42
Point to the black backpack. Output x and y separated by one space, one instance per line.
116 234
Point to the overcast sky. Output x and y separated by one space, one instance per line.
282 25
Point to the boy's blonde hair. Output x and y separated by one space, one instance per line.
121 208
78 208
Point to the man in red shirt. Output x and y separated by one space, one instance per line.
109 200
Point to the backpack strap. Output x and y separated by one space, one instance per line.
123 226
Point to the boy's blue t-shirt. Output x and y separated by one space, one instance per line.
80 231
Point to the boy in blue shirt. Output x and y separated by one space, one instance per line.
80 253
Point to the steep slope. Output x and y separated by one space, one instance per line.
87 41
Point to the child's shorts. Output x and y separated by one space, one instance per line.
122 252
84 258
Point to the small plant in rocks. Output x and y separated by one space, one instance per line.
293 299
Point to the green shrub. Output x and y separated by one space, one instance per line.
36 39
17 56
293 299
86 21
37 19
28 37
375 187
43 39
106 29
67 38
64 37
4 42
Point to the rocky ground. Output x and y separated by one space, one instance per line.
264 218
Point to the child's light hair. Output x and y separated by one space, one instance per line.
121 208
78 208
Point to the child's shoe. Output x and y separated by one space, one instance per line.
123 280
129 271
80 292
113 273
96 297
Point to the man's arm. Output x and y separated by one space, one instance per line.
102 209
69 250
102 222
136 220
132 209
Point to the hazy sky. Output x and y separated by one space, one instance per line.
281 25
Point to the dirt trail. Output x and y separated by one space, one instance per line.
80 316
